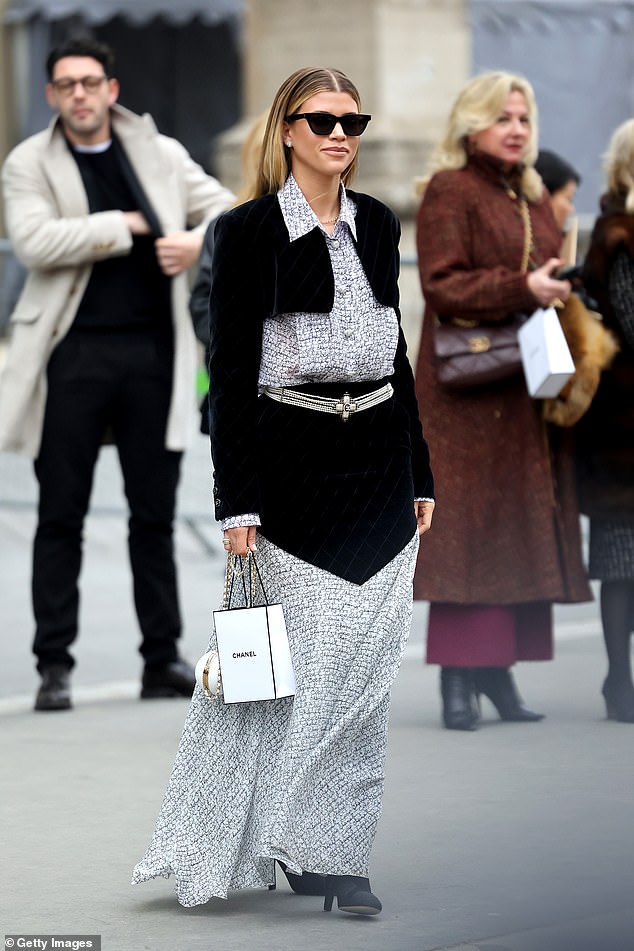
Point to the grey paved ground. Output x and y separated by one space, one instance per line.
514 838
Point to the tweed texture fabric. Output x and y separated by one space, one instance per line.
611 550
299 779
357 339
506 528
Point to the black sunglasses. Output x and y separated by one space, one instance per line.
322 123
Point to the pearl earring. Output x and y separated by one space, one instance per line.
289 144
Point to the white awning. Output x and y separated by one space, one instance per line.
134 11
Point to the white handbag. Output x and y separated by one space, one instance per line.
253 659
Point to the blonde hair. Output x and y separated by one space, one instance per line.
275 158
478 106
250 159
618 164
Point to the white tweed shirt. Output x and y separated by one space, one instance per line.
357 340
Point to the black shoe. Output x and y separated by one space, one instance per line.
173 680
498 685
353 895
308 883
619 701
54 692
459 710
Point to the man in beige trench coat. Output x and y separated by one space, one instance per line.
97 207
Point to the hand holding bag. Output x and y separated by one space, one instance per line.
253 658
593 348
545 354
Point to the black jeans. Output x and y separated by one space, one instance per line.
114 383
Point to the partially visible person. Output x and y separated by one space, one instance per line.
199 300
98 208
605 435
506 543
561 181
592 347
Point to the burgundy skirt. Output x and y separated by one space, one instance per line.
482 635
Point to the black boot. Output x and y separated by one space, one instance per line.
353 894
498 685
54 692
308 883
617 616
619 701
172 680
459 710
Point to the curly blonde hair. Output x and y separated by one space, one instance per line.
477 107
275 157
618 164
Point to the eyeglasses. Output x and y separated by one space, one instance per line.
322 123
66 87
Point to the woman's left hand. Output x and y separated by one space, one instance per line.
239 541
424 512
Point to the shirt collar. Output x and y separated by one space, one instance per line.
300 218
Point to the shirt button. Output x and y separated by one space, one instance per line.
335 243
348 333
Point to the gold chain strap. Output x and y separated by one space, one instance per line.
528 234
526 252
228 577
254 578
528 244
231 571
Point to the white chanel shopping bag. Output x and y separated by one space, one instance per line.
545 354
253 651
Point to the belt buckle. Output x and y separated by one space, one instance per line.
345 407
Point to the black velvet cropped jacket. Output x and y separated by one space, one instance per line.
257 272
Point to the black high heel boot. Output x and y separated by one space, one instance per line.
458 698
308 883
619 701
353 895
498 685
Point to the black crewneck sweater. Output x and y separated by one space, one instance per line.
128 292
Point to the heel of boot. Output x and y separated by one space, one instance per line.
329 893
353 895
610 710
619 701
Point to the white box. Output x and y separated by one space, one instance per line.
545 355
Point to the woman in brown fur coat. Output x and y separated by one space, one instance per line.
506 540
606 433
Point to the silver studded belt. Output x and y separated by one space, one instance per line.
343 407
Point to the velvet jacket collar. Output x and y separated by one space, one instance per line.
297 275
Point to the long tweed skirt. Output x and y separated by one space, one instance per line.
298 779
